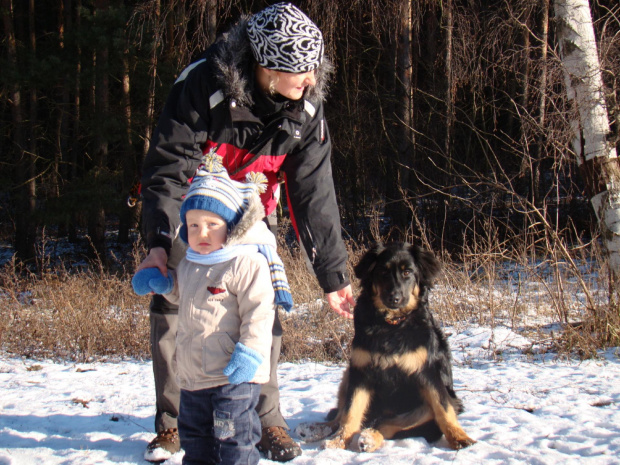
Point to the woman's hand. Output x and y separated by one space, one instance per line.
342 302
157 258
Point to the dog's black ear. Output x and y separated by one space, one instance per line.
367 262
428 264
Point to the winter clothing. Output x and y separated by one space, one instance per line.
279 281
278 445
228 411
163 446
164 322
214 105
224 302
150 280
276 268
226 314
243 364
283 38
213 190
163 345
210 324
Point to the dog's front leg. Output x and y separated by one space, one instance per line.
445 416
351 419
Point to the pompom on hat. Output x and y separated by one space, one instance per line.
283 38
212 190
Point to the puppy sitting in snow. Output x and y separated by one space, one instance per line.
399 379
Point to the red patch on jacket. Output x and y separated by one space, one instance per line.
215 290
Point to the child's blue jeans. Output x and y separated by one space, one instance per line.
220 425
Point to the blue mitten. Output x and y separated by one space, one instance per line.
243 364
150 280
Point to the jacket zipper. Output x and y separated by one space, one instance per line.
307 228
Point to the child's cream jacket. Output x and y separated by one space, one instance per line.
222 304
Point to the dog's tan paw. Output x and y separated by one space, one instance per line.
312 432
336 442
369 440
461 442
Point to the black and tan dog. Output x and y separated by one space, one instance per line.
399 379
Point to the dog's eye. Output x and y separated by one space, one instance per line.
407 273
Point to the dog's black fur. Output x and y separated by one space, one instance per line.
399 380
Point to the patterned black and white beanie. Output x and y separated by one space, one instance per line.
283 38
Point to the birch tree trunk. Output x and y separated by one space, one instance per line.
596 156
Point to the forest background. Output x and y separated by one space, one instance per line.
449 118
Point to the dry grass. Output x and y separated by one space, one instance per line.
71 315
314 331
562 302
561 299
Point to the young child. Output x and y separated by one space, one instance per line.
226 287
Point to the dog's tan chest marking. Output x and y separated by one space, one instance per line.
409 362
360 358
412 362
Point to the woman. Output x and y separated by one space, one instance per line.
255 97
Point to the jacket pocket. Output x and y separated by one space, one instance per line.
227 344
216 352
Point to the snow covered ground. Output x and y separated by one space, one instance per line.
521 408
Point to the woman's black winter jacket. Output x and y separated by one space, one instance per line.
213 105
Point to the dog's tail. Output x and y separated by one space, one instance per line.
458 405
331 414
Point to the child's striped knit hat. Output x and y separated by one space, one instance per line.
213 190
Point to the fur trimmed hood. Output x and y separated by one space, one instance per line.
251 229
234 65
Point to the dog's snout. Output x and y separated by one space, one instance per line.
394 299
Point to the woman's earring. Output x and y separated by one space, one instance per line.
272 85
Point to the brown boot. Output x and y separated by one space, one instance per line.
278 445
163 446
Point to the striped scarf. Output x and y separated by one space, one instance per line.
276 268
